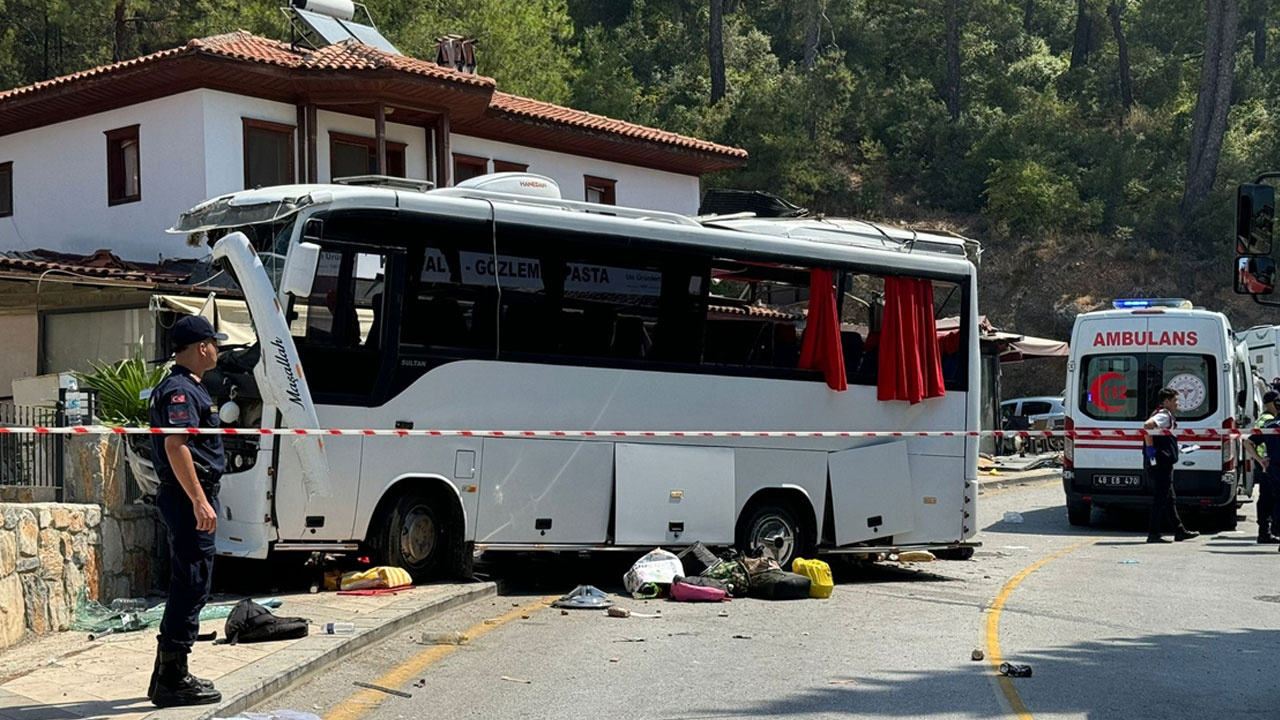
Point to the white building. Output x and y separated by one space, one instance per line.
108 157
98 164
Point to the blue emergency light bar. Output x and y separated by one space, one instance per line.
1138 303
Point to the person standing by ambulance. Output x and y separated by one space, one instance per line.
1263 449
190 469
1161 453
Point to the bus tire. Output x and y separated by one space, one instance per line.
412 537
960 553
1079 512
776 527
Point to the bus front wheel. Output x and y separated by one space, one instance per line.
412 538
776 530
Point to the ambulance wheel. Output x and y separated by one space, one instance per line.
777 531
1227 519
1079 513
412 537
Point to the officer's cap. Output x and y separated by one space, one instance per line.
1270 397
192 329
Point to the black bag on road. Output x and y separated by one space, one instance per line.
250 622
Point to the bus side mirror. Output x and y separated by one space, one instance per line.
1255 276
300 271
1255 214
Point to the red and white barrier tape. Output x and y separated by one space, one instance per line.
1189 434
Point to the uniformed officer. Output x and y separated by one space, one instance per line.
1161 453
190 468
1264 449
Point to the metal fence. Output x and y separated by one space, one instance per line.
37 461
31 460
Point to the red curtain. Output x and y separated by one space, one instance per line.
910 360
820 349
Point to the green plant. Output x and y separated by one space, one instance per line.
121 387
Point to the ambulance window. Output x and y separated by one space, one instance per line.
1111 389
1190 375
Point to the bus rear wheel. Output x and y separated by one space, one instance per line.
412 537
778 533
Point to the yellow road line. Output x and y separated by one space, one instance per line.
360 703
993 630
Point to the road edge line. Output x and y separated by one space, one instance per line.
358 704
1016 705
269 687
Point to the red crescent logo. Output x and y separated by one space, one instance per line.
1102 390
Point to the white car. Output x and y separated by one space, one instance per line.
1047 408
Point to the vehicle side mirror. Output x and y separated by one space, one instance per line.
1255 276
300 270
1255 215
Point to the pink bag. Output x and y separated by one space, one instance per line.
684 592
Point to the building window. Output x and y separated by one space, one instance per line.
600 190
504 166
268 153
6 189
124 175
466 167
354 155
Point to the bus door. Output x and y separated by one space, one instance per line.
347 352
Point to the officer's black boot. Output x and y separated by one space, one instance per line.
175 686
155 675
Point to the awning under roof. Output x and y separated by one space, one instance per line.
1016 347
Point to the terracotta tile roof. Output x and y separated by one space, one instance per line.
243 45
101 264
352 56
756 311
538 110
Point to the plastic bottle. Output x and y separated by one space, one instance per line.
445 638
129 605
339 628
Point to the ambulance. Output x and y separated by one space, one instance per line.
1119 359
1263 342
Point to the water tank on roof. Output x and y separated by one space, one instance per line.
515 183
341 9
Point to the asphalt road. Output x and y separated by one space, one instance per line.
1112 627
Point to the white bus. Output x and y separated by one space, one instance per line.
495 305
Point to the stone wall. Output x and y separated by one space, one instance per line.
50 553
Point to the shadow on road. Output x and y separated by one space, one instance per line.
1201 674
1115 522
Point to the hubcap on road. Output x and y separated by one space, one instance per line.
776 536
417 536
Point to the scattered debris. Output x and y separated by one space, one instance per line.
723 613
1013 517
275 715
584 597
647 615
1127 562
444 638
564 612
421 683
379 688
1011 670
618 612
842 681
657 568
978 655
630 639
1016 547
741 637
491 621
614 659
525 617
517 680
